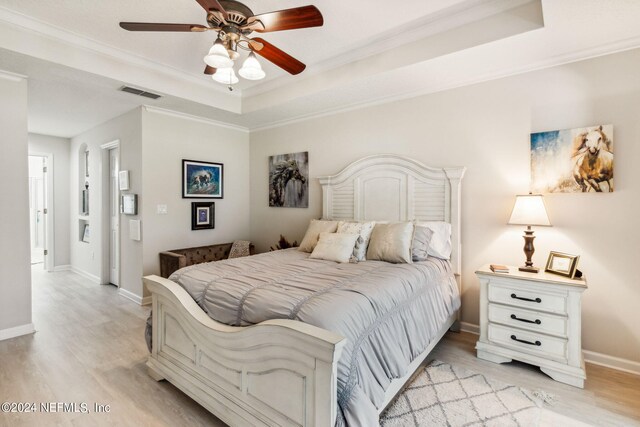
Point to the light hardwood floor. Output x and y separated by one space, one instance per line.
90 348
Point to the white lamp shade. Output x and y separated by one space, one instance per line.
225 76
251 69
218 57
529 210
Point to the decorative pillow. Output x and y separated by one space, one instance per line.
420 245
391 242
336 247
316 227
239 248
440 245
363 230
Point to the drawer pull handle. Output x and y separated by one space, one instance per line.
514 296
538 343
537 321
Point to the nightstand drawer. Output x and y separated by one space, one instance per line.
529 342
528 319
527 297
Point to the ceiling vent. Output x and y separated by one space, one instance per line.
139 92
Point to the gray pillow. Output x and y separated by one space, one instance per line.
420 245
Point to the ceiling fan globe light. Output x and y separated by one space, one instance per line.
251 69
218 57
225 76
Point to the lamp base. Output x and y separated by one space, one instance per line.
529 269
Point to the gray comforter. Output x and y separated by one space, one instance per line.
388 312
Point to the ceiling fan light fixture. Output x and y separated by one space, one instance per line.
225 76
218 57
251 69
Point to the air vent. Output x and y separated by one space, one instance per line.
139 92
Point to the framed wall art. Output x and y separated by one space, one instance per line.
289 180
202 215
572 160
202 180
129 204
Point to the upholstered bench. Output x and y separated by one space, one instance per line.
176 259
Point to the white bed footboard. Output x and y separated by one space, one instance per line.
276 373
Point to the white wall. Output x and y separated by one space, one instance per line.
89 257
59 147
166 140
15 272
486 128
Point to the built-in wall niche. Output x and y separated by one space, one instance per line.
84 231
83 192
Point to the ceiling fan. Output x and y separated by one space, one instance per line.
233 22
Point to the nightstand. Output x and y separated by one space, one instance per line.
534 318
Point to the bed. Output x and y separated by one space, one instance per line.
288 370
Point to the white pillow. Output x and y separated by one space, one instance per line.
391 242
440 244
363 230
336 247
421 241
316 227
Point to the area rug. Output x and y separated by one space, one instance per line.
445 395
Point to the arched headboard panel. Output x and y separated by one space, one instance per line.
394 188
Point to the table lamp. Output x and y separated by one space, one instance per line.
529 210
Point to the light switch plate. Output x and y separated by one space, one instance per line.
162 209
134 229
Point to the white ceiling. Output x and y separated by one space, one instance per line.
76 56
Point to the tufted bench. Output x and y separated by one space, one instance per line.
176 259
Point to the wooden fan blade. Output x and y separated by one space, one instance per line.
210 70
278 57
288 19
210 5
149 26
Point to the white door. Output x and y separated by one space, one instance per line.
37 220
114 219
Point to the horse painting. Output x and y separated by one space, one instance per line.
593 161
288 180
201 179
572 160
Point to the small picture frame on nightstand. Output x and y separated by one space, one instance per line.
562 264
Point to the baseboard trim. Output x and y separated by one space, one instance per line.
612 362
17 331
147 300
133 297
470 327
65 267
93 278
617 363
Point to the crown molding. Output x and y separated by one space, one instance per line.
418 29
603 50
200 119
7 75
60 34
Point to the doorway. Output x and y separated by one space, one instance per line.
40 214
111 213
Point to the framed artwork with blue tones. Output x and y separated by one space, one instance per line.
289 180
202 180
202 215
572 160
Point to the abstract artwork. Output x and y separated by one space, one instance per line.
572 160
289 180
202 180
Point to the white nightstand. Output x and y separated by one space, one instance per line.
534 318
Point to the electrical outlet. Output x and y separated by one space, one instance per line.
161 209
93 255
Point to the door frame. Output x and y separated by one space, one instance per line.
49 205
106 226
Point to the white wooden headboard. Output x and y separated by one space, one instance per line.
388 187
